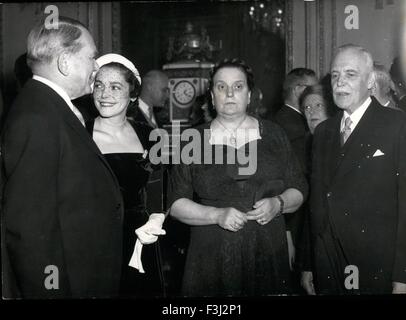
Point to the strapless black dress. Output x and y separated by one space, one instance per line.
132 171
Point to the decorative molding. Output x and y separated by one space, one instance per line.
116 26
289 34
333 26
92 20
321 38
308 36
100 26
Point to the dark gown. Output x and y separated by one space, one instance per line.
254 260
132 171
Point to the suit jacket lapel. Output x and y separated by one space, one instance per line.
149 120
332 144
142 117
358 144
70 118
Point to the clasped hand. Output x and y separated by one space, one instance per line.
264 211
231 219
149 232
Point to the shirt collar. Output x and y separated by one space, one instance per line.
357 114
143 106
62 93
289 106
55 87
146 110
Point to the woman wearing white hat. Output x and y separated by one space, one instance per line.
125 145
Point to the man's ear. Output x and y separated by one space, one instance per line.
63 63
249 97
297 92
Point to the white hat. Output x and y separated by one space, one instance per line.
113 57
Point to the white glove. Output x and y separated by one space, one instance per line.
147 234
135 260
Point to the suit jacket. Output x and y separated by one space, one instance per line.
137 115
402 104
86 107
295 126
296 129
62 203
358 200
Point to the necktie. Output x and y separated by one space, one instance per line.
345 133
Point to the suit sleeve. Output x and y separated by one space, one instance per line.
30 147
315 198
399 271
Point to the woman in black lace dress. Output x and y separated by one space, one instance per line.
125 146
238 244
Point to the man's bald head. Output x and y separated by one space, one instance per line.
154 89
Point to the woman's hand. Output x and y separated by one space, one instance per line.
149 232
264 210
231 219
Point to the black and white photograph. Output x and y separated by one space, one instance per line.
198 155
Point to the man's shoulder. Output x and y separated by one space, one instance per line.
37 95
270 124
34 102
284 111
288 116
326 126
273 130
387 117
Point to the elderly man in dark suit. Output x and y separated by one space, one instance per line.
358 200
62 214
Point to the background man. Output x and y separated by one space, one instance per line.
62 217
358 200
154 93
291 119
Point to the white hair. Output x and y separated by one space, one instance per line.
44 44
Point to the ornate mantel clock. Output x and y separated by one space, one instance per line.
188 71
187 81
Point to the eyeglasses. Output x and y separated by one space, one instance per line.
311 109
